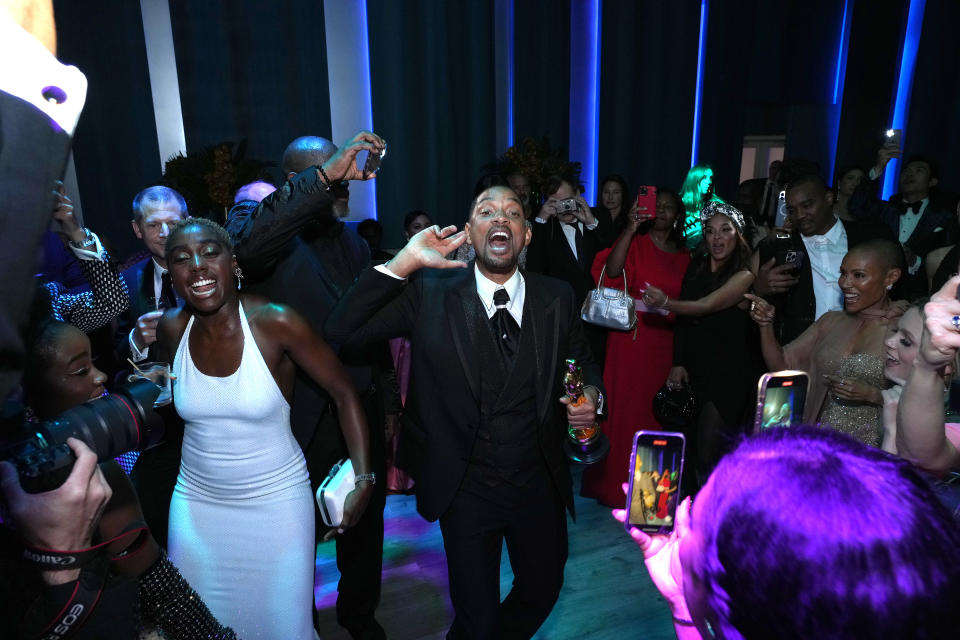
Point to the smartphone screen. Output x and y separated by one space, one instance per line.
656 466
780 399
647 203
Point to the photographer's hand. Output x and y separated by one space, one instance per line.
63 519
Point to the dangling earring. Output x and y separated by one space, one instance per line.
239 275
889 286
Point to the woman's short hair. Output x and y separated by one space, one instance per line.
219 232
810 534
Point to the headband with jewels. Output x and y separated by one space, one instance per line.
714 207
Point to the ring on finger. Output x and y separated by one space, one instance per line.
955 321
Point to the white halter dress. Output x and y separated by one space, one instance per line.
241 517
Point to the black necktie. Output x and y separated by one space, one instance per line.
168 300
578 243
506 328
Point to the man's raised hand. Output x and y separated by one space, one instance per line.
428 248
343 164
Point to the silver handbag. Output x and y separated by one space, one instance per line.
610 308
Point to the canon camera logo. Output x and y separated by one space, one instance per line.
61 561
63 627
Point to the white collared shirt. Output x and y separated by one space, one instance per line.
909 220
516 289
825 254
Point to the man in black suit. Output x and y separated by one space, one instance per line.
565 243
294 249
799 273
155 211
483 427
915 221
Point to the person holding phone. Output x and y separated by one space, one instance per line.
645 251
844 350
726 571
715 348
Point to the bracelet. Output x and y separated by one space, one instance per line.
666 299
683 622
326 179
366 477
88 241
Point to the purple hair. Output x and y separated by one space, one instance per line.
810 534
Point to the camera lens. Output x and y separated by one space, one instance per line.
112 425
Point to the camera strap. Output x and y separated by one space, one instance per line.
53 560
88 587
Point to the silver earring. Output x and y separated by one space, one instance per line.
239 275
889 286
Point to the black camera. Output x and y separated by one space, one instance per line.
112 425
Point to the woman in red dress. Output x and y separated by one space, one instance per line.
638 361
663 489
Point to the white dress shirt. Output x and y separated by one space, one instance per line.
516 289
825 254
515 286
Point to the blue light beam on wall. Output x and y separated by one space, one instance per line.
901 104
584 90
701 54
503 76
838 83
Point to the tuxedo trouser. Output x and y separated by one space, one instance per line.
533 522
359 549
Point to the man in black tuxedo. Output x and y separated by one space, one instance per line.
565 243
915 221
155 211
294 249
483 427
799 273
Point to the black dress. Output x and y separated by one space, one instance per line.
721 353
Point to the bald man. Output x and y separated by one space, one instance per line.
294 249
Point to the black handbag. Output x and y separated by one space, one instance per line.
675 408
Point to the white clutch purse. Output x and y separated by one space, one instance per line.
333 492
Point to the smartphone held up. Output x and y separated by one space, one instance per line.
780 399
656 466
647 203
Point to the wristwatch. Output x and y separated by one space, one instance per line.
600 399
88 241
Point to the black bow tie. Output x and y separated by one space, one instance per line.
912 206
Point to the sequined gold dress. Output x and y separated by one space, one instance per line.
849 346
861 420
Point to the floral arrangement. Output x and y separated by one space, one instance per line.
538 160
208 178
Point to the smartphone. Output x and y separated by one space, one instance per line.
892 138
786 252
372 163
647 203
656 466
780 399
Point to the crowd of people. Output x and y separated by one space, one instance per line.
296 341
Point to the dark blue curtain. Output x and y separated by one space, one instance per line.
647 85
251 70
541 78
432 80
115 147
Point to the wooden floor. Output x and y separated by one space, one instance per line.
607 593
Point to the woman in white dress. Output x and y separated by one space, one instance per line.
241 518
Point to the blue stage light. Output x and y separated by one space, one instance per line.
901 104
584 90
701 55
838 83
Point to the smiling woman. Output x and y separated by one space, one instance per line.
844 350
242 477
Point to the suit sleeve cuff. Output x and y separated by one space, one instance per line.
382 268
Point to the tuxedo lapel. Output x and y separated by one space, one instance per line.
545 322
145 290
462 307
